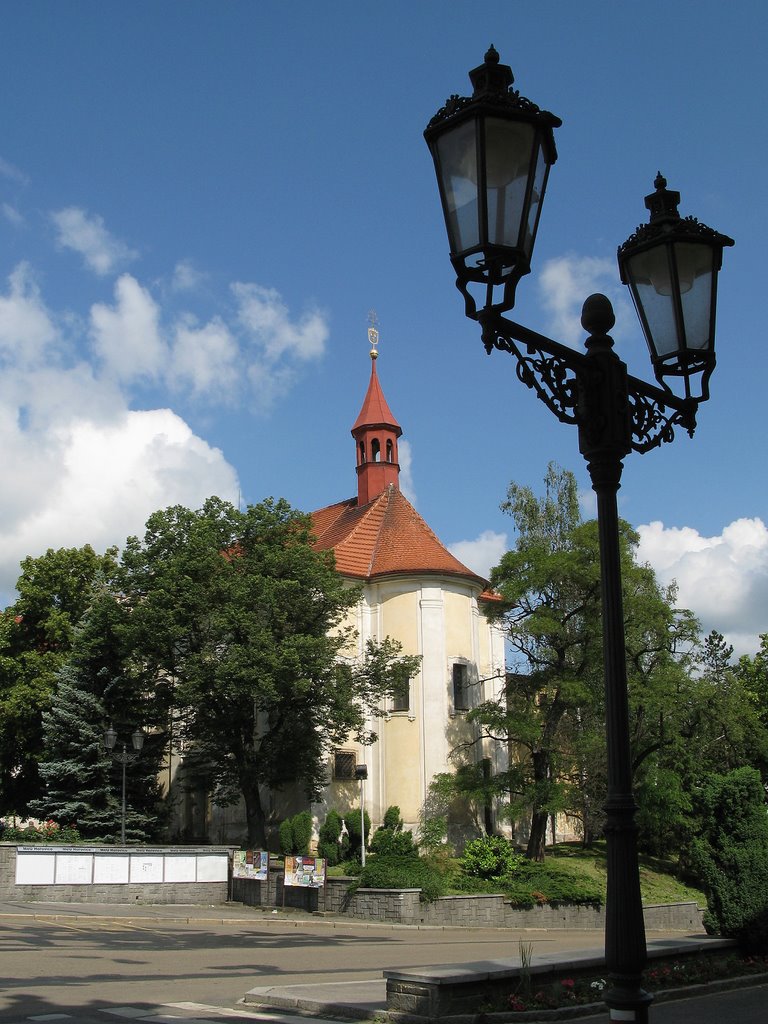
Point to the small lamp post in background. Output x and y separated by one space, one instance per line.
123 757
492 153
361 774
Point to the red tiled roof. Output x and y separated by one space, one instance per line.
386 537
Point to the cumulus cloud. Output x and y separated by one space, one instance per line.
79 465
564 284
483 553
265 317
126 336
86 234
206 359
26 328
722 579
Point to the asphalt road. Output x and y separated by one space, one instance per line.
98 969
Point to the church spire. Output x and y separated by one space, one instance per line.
375 432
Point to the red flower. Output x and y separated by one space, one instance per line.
568 982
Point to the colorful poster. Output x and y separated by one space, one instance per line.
251 864
307 871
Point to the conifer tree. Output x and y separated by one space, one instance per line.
94 690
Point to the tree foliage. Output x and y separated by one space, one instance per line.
95 689
245 621
36 635
552 712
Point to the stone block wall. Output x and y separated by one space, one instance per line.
156 891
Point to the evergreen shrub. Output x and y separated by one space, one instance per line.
393 872
730 856
331 843
295 834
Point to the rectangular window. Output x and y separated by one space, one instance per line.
401 696
344 762
460 687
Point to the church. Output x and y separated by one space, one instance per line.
416 592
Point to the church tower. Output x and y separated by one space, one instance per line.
375 432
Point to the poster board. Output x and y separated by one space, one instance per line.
251 864
35 867
110 869
180 867
308 872
212 867
74 869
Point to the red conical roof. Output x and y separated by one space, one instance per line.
375 411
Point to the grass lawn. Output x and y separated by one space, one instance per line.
657 884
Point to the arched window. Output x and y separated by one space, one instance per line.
390 450
375 450
362 452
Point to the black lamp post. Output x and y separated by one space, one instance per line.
361 774
123 757
492 154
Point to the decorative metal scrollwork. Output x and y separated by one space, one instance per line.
553 372
655 416
550 375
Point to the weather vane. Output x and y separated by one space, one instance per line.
373 333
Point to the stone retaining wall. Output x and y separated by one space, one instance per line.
402 906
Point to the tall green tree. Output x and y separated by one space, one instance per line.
36 633
552 713
245 620
97 688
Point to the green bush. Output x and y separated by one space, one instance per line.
331 843
490 857
534 883
433 832
392 872
295 834
730 856
392 819
390 842
32 831
355 834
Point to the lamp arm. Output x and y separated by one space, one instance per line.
559 374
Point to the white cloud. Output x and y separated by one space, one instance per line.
127 336
206 359
26 328
266 319
564 284
405 459
86 234
722 579
483 553
97 482
186 277
12 215
13 173
79 466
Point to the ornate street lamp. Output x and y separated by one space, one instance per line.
492 153
361 774
123 757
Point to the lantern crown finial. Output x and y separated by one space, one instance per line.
662 203
491 78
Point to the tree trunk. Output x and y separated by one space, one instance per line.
539 814
254 816
538 836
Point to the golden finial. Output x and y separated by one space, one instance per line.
373 333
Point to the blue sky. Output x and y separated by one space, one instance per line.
200 202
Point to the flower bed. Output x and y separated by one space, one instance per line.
581 991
